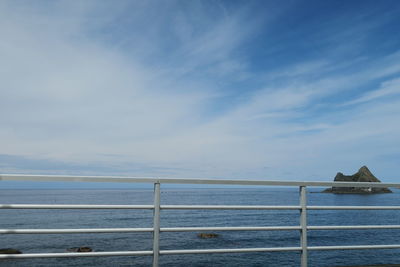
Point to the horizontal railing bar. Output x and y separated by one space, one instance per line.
119 179
144 253
353 207
354 247
352 227
177 207
72 206
189 251
76 254
74 231
166 229
68 178
239 228
227 250
194 229
228 207
240 250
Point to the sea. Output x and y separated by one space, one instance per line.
50 243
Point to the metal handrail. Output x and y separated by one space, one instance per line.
191 207
157 207
73 206
195 229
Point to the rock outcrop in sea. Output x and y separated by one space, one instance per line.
80 249
207 235
363 175
9 251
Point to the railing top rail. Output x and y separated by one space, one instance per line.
198 181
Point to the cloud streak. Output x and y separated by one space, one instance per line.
183 89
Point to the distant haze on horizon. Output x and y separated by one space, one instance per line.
274 90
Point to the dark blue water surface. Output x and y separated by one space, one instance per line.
24 219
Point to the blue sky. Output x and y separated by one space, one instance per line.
278 90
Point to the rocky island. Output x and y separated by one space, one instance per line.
363 175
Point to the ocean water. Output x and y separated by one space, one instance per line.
185 218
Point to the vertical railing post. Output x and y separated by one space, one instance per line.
156 225
303 225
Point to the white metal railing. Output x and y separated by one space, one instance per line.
157 207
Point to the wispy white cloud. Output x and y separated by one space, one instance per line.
73 99
166 88
387 88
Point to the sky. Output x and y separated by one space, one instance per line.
263 90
